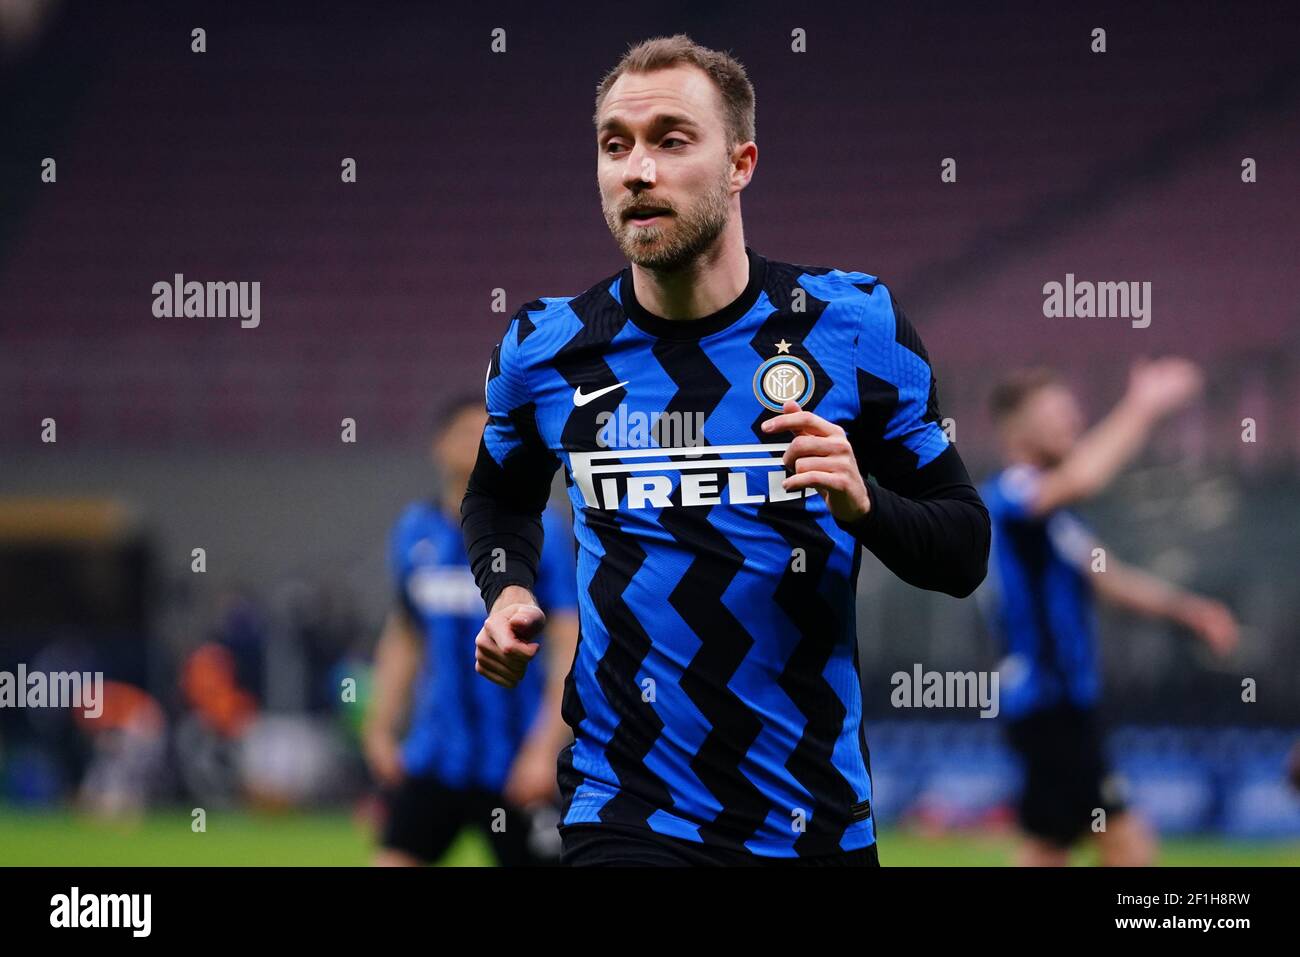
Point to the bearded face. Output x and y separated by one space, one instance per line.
665 166
662 234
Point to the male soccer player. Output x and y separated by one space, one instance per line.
717 414
474 754
1044 572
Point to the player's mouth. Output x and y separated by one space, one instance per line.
647 215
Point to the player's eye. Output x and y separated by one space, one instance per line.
668 141
613 147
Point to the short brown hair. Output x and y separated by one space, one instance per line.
1013 391
724 70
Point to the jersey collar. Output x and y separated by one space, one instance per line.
694 328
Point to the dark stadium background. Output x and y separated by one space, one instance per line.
475 172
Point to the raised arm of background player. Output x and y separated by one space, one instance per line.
1136 591
1155 390
918 511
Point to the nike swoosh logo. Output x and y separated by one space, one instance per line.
580 400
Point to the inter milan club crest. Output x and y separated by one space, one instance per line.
782 378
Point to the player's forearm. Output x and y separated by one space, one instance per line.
1136 591
504 545
939 544
501 520
1100 454
396 663
932 530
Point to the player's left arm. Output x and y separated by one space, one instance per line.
892 478
501 516
1142 593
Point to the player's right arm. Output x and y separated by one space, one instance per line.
1142 593
501 516
397 661
1156 389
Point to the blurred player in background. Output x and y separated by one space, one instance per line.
1042 579
471 747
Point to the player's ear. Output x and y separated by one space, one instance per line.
744 158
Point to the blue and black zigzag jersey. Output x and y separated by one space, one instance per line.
1038 599
715 694
465 731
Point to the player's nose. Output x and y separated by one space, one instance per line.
640 168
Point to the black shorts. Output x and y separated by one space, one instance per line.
425 816
606 845
1067 778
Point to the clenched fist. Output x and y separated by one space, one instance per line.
503 647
